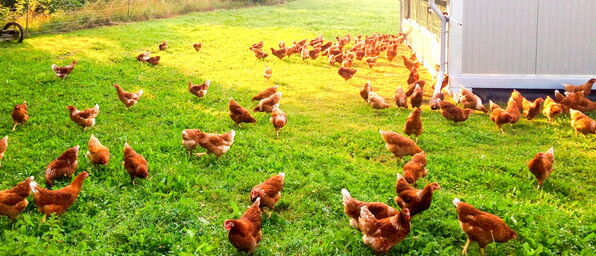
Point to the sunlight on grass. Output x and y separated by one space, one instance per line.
77 47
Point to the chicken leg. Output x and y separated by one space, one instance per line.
465 251
14 128
200 154
44 218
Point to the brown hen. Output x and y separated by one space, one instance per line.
471 100
57 201
267 104
481 227
85 118
401 100
453 113
365 90
129 99
585 88
382 234
199 90
414 76
62 72
163 46
415 168
278 119
197 46
135 164
582 123
532 109
269 191
245 233
98 153
19 114
265 93
499 116
416 98
63 167
352 208
239 114
217 144
542 165
399 145
376 101
417 200
3 146
346 73
414 124
513 108
14 200
268 72
551 109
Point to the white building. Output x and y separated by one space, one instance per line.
505 44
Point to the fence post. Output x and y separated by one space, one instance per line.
27 19
128 12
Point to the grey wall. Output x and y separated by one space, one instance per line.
542 37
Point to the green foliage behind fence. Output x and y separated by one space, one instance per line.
66 15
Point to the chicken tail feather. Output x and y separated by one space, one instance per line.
33 185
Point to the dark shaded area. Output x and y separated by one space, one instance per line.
502 95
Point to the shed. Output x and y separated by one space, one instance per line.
505 44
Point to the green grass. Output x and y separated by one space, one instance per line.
330 142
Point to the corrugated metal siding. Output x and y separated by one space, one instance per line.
499 37
567 33
542 37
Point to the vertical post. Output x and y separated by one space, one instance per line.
401 14
128 11
27 18
444 21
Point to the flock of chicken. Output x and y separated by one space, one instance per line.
574 102
13 201
365 48
381 225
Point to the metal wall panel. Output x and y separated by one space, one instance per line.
567 37
499 36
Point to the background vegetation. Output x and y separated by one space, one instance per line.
331 142
66 15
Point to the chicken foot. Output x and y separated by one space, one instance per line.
465 251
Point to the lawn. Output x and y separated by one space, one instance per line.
330 142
